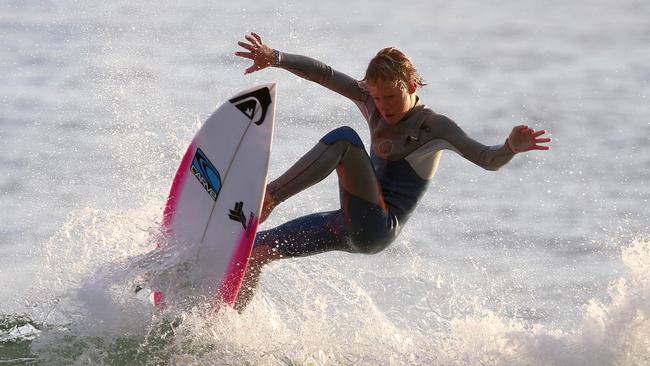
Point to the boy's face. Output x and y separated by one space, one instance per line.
392 101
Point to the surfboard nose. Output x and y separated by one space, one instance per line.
272 88
255 103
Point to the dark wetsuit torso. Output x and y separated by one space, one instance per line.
379 191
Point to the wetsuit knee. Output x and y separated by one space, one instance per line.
369 242
370 228
344 133
373 236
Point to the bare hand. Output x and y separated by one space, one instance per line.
261 54
523 138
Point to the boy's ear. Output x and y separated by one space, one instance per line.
412 87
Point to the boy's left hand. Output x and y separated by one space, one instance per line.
523 138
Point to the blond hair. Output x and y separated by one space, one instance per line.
393 66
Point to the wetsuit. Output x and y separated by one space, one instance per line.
379 191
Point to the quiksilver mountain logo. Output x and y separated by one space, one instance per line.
254 104
206 173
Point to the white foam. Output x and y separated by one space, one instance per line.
316 311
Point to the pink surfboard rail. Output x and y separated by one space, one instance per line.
177 187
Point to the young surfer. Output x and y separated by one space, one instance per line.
378 191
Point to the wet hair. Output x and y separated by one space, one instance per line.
393 66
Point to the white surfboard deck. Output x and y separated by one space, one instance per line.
213 207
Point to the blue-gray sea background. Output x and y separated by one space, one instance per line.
545 262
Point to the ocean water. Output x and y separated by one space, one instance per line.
545 262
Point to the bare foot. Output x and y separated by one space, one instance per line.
267 207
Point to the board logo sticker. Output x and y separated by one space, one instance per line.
254 104
206 173
237 214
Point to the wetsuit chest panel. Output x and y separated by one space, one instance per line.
426 159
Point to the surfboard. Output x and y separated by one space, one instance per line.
213 207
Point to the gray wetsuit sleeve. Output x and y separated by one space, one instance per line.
318 72
487 157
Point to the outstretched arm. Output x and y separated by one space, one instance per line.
523 138
308 68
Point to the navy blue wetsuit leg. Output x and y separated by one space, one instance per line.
361 225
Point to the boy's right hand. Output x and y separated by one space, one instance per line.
261 54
